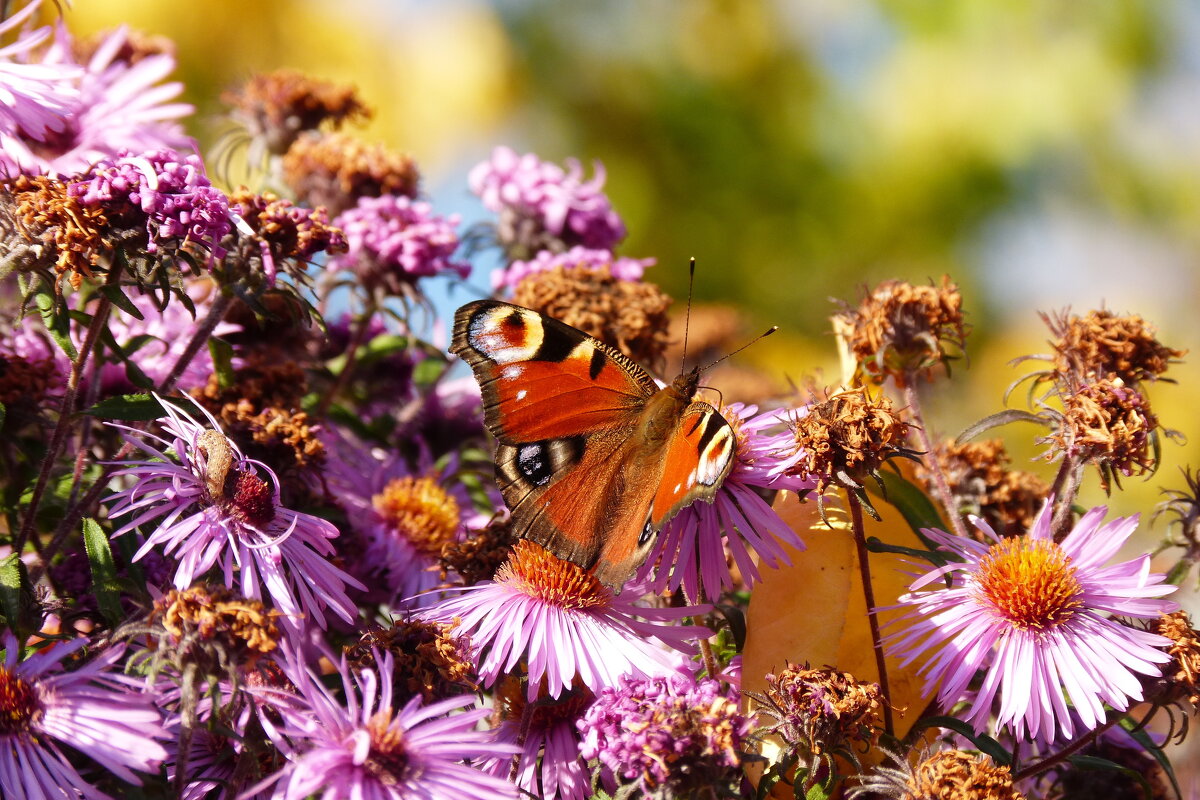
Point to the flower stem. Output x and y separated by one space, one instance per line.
62 426
1066 486
864 568
913 398
1074 747
356 342
216 313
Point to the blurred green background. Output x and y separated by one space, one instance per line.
1044 154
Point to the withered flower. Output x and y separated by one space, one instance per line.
286 237
135 46
943 775
28 387
902 331
278 106
428 659
44 229
1102 344
982 485
477 557
1182 675
334 170
628 315
821 711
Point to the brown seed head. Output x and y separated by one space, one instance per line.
958 775
628 315
44 229
902 331
426 659
294 234
847 437
822 710
334 170
279 106
1183 673
27 388
1102 344
205 617
1108 424
477 557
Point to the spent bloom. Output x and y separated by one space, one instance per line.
625 269
561 621
373 745
691 550
672 734
93 710
543 205
209 507
394 240
1035 614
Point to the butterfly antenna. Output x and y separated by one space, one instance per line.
687 318
756 339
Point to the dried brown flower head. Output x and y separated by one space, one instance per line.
902 331
821 710
628 315
477 557
1182 675
213 628
279 106
1108 424
1102 344
512 704
135 46
334 170
848 436
45 230
958 775
427 659
293 234
982 485
28 387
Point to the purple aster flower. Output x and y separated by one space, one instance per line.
121 106
34 98
91 709
213 510
404 516
691 550
528 192
171 190
625 269
670 732
562 622
394 240
549 766
1035 615
373 747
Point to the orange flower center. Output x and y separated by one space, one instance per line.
535 571
388 759
19 704
420 511
1030 583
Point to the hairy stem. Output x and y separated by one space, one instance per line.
356 342
942 489
864 568
200 336
1074 747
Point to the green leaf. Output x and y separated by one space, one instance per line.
3 414
912 503
937 558
1103 764
985 743
57 322
16 597
128 407
118 299
427 371
104 571
1139 735
1004 417
222 358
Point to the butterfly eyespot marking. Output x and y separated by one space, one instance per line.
538 462
506 335
647 533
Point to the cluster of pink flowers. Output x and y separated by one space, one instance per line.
625 269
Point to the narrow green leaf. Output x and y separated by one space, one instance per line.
16 595
222 358
877 545
3 414
428 371
118 299
127 407
1095 763
104 571
998 419
985 743
912 503
1139 735
57 323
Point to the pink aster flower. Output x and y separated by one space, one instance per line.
34 98
530 193
562 622
673 735
1036 615
212 509
92 709
372 746
549 766
121 106
394 240
625 269
692 550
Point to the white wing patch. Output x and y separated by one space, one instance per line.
506 334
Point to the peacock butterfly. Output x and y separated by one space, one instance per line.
593 458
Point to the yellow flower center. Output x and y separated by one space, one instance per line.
535 571
420 511
1030 583
19 704
388 759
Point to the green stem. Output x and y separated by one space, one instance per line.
864 568
343 377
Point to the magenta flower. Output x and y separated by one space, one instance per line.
373 747
1036 616
34 98
562 622
394 240
119 107
557 201
180 204
625 269
212 509
670 732
549 766
92 709
691 550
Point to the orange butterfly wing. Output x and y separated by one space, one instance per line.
698 458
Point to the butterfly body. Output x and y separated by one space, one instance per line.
593 457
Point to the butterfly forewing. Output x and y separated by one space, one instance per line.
698 457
